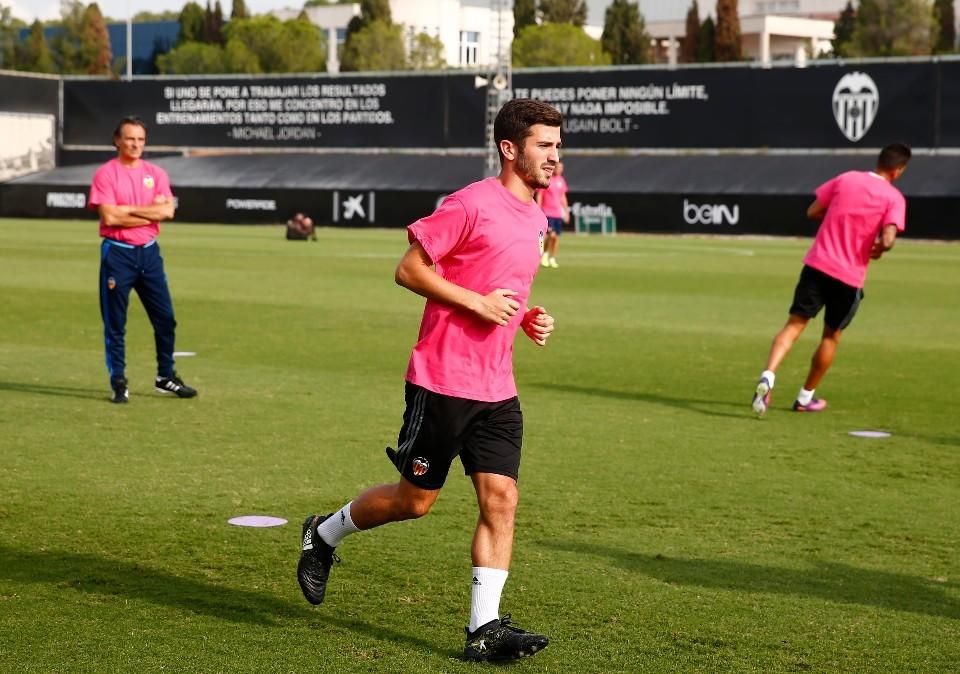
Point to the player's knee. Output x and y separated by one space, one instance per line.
501 501
413 507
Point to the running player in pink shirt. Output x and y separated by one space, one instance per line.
553 201
473 260
862 213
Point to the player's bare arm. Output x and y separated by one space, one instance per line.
537 324
884 242
816 210
415 272
161 209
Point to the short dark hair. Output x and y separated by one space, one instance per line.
893 156
130 119
515 118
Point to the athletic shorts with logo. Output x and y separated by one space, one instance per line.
438 428
816 290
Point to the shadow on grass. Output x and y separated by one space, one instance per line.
830 581
100 576
699 406
64 391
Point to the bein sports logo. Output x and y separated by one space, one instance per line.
856 101
710 214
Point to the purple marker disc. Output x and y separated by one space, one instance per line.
257 521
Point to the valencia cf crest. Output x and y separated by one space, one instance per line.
420 466
542 236
111 283
148 182
856 101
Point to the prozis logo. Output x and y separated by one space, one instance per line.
710 214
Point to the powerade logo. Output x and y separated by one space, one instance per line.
710 214
66 200
252 204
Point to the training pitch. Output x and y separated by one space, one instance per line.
661 527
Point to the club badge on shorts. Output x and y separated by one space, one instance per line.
148 182
420 466
111 283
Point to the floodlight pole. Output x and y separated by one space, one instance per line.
500 82
129 43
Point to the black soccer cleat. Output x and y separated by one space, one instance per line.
316 558
121 394
174 385
498 640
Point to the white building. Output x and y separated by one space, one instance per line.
470 30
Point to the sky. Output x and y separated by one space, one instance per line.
28 10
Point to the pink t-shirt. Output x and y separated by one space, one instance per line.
117 185
481 238
859 205
552 197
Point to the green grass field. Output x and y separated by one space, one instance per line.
661 528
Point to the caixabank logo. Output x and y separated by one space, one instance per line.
856 102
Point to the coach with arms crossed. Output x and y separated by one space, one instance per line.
133 196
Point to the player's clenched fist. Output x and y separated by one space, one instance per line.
537 324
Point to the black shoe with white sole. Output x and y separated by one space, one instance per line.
175 386
121 393
498 640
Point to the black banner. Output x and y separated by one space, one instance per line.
819 107
345 112
24 93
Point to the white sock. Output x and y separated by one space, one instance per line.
485 595
769 376
338 526
804 397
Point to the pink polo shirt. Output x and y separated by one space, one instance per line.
859 205
481 238
552 197
117 185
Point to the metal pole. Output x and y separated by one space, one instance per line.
129 43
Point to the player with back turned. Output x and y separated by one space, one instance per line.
862 213
474 260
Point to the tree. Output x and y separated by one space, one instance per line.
9 38
370 11
564 11
376 46
95 54
426 53
624 35
708 34
147 16
557 44
191 23
946 26
239 10
279 47
237 58
524 14
690 48
192 58
34 53
66 44
843 30
893 28
726 40
213 24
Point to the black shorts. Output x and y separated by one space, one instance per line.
437 428
816 290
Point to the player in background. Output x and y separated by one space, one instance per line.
132 197
553 201
862 212
474 260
